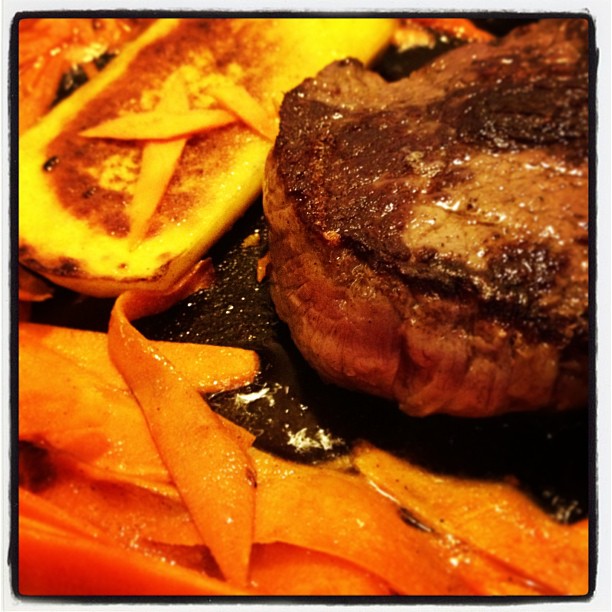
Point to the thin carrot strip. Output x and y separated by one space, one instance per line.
36 508
349 520
161 125
239 101
208 465
121 510
210 368
486 575
98 425
282 569
158 164
83 406
146 483
72 409
159 161
58 562
514 527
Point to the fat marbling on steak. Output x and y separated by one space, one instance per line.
429 237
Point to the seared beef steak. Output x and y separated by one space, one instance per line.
428 237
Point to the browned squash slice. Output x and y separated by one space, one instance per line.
75 192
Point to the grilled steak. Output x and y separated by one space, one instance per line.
429 237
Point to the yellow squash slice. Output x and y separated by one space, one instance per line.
76 225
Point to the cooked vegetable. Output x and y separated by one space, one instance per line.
92 467
492 517
213 473
87 186
58 54
155 125
209 368
86 565
81 388
128 511
75 410
349 519
158 163
238 100
290 570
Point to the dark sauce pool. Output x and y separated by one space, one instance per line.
295 415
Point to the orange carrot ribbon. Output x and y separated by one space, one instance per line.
208 464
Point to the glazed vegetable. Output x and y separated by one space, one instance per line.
87 186
492 517
101 480
240 102
95 565
57 55
213 472
209 368
290 570
92 566
348 519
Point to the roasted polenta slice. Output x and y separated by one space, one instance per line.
130 180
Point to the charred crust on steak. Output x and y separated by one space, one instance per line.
465 183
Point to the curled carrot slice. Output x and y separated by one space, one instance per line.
209 466
209 368
75 410
36 508
341 515
495 519
53 561
123 511
291 570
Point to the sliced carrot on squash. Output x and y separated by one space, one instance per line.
157 167
57 562
290 570
165 131
161 125
350 520
158 163
207 463
493 517
239 101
